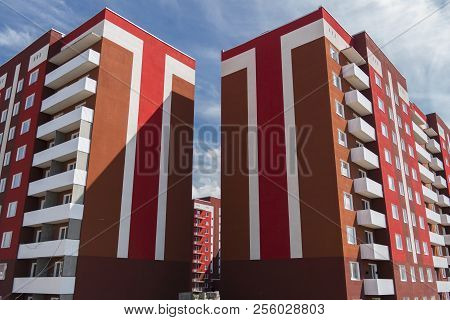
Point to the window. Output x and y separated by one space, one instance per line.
395 212
29 101
74 135
351 235
42 204
414 174
63 233
33 77
387 156
16 180
411 151
337 81
3 267
422 223
340 109
402 270
20 154
20 85
429 275
348 201
397 162
425 248
406 169
33 269
345 169
71 166
38 236
334 54
408 244
4 115
396 99
401 188
410 195
57 269
365 204
421 275
381 104
6 239
8 93
405 216
2 185
398 242
354 271
25 126
405 108
391 114
418 198
342 138
388 91
391 182
67 198
7 158
377 80
394 138
407 129
12 209
413 274
11 133
16 109
384 130
413 219
417 246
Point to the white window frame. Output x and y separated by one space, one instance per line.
11 133
16 180
34 76
395 214
342 134
351 235
355 274
29 101
19 85
348 196
7 159
340 109
25 127
402 273
3 268
16 109
337 81
21 152
398 241
2 185
345 169
6 240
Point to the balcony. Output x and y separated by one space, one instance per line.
353 56
57 183
365 158
423 155
72 50
66 123
371 219
44 285
368 188
198 280
436 164
436 239
355 76
420 136
418 119
430 131
378 287
443 201
447 239
53 215
360 104
445 220
361 129
433 146
73 69
70 95
61 152
443 286
46 249
432 217
440 262
429 196
426 175
372 251
440 182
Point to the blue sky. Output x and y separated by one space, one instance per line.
202 28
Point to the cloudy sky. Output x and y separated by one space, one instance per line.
414 34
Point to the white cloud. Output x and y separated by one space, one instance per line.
11 39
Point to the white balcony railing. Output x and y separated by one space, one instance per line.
378 287
443 201
70 95
353 56
429 195
45 249
53 215
65 123
365 158
420 136
355 76
45 285
71 50
445 220
443 286
436 164
436 239
440 182
372 251
433 146
447 239
358 102
61 152
371 219
362 130
422 155
368 188
432 217
440 262
73 69
57 183
425 174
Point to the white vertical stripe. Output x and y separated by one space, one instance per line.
172 67
247 60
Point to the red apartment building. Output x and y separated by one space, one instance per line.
95 194
206 254
337 187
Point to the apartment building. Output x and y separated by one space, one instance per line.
206 245
337 185
95 178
